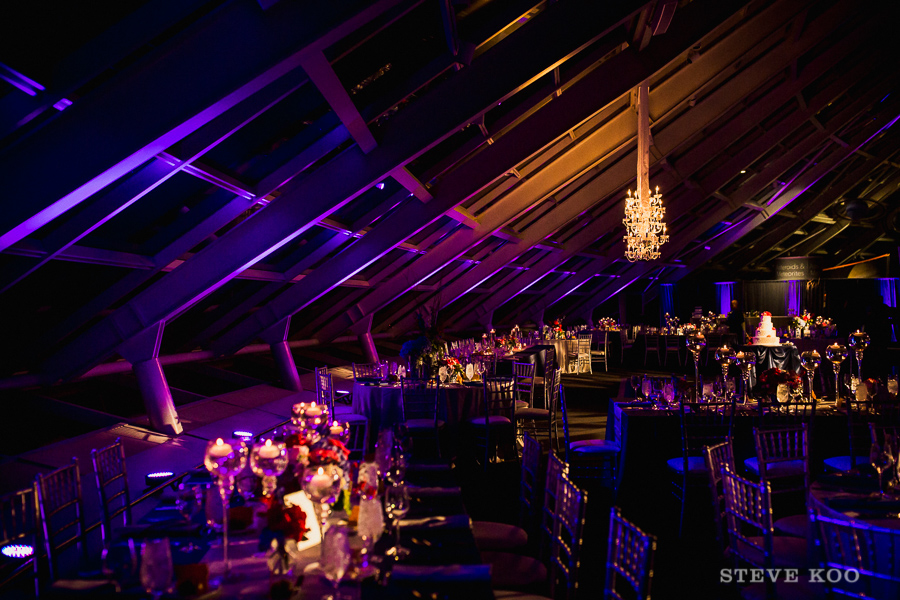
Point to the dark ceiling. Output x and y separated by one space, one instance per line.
232 168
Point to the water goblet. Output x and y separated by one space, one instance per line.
859 341
335 557
836 353
810 361
225 459
268 460
881 459
156 567
396 505
322 484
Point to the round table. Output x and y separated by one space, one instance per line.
382 404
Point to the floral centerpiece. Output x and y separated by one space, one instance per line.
454 368
557 331
770 379
608 324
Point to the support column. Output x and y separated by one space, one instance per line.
363 331
142 351
277 338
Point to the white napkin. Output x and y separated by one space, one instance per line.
470 371
401 371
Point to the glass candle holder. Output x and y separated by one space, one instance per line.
725 356
836 353
225 459
696 342
810 361
859 341
268 460
322 484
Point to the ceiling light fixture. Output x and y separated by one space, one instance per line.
645 230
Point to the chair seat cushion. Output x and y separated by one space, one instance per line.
842 463
422 424
494 421
498 536
514 570
782 468
696 465
788 552
532 413
794 525
594 447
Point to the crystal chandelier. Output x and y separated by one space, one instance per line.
645 230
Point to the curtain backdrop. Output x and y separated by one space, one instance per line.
667 297
724 295
793 300
889 291
766 295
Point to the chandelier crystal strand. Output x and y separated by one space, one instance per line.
645 229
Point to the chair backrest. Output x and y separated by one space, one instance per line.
584 343
568 531
499 397
652 341
358 443
524 375
556 470
366 370
773 414
869 550
529 498
111 477
325 389
748 507
718 457
704 424
777 447
19 526
629 559
420 399
62 521
550 359
674 342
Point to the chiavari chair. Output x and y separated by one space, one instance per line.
860 414
629 560
367 370
111 477
589 460
524 376
782 460
718 457
583 356
674 344
528 418
601 354
62 519
326 394
651 344
420 408
873 552
497 425
568 532
702 424
493 536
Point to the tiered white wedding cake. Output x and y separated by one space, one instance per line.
765 333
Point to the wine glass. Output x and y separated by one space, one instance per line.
268 460
836 353
225 459
881 459
156 567
696 342
636 385
810 361
859 341
396 505
335 557
322 485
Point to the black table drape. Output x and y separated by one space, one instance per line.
786 357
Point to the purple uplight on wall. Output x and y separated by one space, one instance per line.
724 294
889 291
792 297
